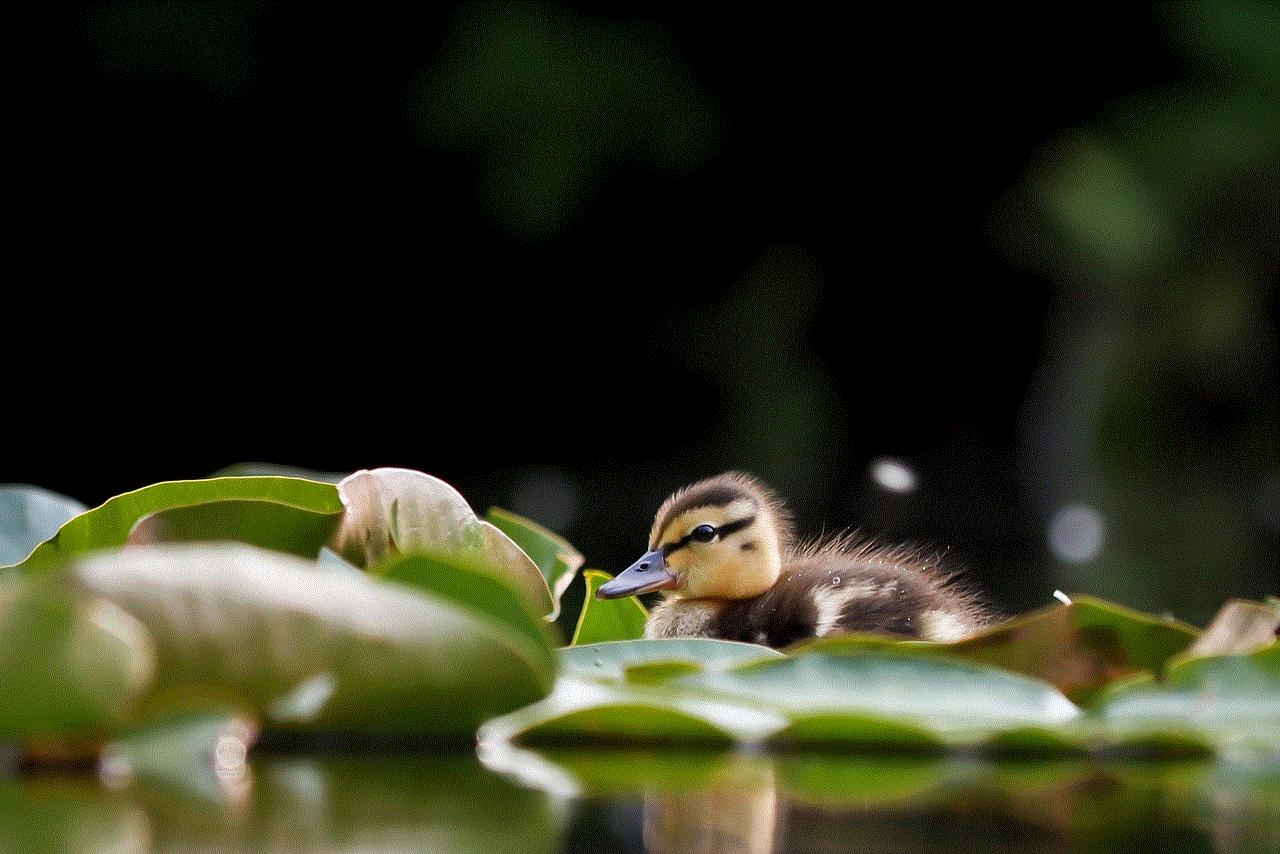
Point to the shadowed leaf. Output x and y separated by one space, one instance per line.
393 512
554 556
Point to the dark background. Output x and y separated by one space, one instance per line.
569 257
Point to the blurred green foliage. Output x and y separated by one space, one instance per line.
1155 403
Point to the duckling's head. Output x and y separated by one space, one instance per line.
720 538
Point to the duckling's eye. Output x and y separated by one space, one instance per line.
703 534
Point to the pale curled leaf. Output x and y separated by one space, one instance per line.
393 511
1239 627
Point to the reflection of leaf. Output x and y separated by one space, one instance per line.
1080 647
835 778
558 561
30 515
108 525
71 814
260 624
607 619
392 512
610 769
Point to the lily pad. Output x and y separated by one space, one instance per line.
392 512
960 701
847 731
558 561
1081 647
109 525
613 660
476 588
607 620
1240 626
1232 700
582 711
265 627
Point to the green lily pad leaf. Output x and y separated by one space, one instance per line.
1039 743
475 587
266 524
614 660
393 512
558 561
854 730
30 515
1081 647
314 646
607 619
587 711
1240 626
1233 700
109 525
70 668
960 701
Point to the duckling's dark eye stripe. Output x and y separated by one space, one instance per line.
723 531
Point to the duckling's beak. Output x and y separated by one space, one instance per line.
648 573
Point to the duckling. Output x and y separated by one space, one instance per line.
723 551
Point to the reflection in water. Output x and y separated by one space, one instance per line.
641 802
735 811
789 804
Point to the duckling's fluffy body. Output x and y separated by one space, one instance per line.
723 551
